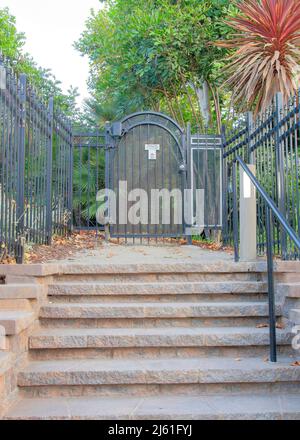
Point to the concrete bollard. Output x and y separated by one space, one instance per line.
248 219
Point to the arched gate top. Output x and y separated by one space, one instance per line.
151 116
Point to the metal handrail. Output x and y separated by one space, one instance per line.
271 209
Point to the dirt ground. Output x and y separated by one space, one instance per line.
89 245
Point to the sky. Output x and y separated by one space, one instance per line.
51 27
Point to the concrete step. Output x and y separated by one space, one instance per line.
19 291
155 314
15 321
102 338
212 267
155 310
176 407
161 288
157 371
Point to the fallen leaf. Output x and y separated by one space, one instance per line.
296 364
262 325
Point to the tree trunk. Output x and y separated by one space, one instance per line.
202 94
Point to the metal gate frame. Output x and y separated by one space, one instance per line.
116 132
106 144
207 143
87 142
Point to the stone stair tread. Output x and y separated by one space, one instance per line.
151 337
19 291
175 407
168 364
14 321
141 288
155 310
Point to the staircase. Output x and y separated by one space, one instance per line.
155 342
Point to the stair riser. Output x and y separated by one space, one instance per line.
153 322
240 297
156 353
157 389
159 277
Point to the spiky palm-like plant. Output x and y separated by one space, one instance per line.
266 56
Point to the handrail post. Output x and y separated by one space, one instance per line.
248 216
235 213
271 296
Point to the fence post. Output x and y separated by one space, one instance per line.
279 166
189 215
235 213
20 197
107 175
249 119
224 188
49 173
70 198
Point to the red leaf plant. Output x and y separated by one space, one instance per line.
266 54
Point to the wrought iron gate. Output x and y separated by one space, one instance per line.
147 173
149 169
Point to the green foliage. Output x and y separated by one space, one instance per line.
154 54
11 42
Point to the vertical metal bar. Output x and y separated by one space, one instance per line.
235 213
250 154
71 170
107 173
21 165
224 188
49 174
189 178
271 297
280 169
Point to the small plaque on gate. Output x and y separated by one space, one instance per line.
152 150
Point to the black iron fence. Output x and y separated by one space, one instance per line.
272 143
35 166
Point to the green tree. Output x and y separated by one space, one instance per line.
157 54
